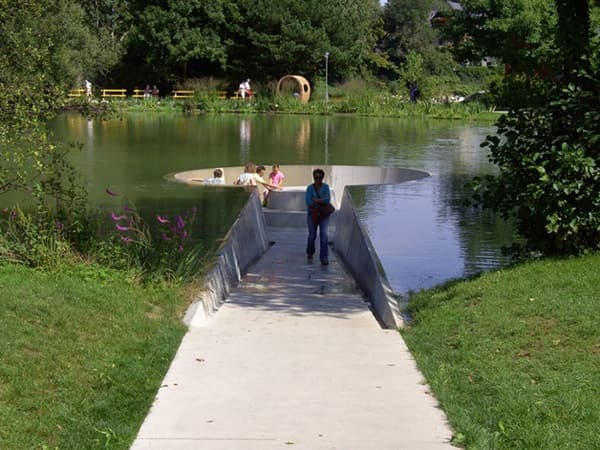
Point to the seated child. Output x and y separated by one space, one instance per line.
276 176
248 176
218 178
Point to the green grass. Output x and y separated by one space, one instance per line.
514 356
83 351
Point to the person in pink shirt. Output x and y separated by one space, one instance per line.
276 176
275 179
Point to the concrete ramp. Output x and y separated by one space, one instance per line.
294 359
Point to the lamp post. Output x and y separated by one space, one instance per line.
326 78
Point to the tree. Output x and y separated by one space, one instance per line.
167 38
278 37
38 58
549 157
407 28
518 32
108 22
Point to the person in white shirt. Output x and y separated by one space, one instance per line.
88 88
245 88
218 178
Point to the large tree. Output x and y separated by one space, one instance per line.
278 37
180 38
549 156
109 22
42 51
518 32
407 28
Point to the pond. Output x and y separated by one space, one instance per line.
421 231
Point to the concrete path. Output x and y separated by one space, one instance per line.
294 359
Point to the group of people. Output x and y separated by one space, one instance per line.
244 89
150 92
318 203
317 197
253 175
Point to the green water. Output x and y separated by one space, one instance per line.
421 233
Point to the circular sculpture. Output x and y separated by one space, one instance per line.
303 91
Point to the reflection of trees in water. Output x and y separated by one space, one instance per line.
217 209
482 234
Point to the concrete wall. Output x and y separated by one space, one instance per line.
353 246
244 244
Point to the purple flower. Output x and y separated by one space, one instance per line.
164 237
180 223
122 228
180 249
59 225
126 239
117 218
162 219
109 192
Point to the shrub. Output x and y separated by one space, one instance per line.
158 246
549 161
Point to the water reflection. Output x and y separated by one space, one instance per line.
421 231
245 135
303 137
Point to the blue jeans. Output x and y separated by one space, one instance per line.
312 235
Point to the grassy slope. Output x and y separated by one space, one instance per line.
514 356
81 357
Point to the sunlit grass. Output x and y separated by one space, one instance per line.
84 350
514 356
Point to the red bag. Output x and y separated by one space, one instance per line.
321 211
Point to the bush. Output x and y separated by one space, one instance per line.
549 180
159 246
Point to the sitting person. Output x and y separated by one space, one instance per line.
244 88
275 178
218 178
248 177
264 186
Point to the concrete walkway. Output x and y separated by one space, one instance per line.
293 359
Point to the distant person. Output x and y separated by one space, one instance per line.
218 178
147 91
318 201
414 92
245 88
88 88
248 176
154 91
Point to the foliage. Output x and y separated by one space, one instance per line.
407 29
512 356
518 32
44 49
169 37
160 247
108 22
275 37
549 161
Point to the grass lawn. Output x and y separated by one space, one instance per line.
514 356
83 352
